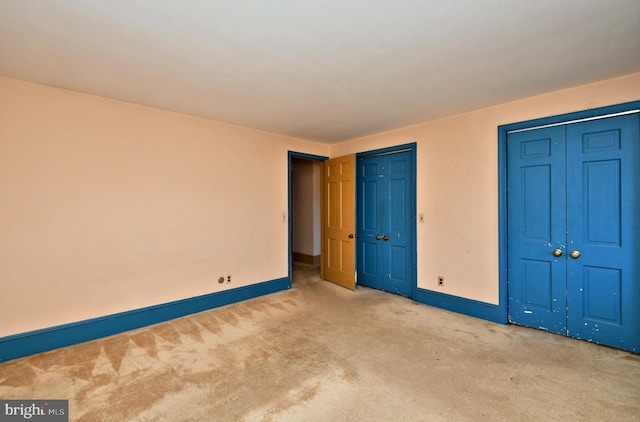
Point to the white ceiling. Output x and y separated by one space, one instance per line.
324 70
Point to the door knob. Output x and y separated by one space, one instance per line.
575 254
557 252
350 235
385 238
378 237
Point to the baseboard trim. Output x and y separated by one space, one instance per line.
306 259
462 305
29 343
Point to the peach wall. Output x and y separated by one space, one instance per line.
457 182
107 206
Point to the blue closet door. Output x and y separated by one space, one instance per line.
384 223
573 234
371 265
603 205
537 227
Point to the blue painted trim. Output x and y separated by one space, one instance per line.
294 154
24 344
503 264
577 115
413 146
290 155
460 305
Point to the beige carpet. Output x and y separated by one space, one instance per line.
319 352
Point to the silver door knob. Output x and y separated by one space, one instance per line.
557 252
378 237
575 254
385 238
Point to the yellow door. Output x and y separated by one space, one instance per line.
338 215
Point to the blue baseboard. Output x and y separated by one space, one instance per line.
29 343
462 305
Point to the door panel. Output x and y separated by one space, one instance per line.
385 225
575 188
338 243
398 225
603 158
371 266
536 182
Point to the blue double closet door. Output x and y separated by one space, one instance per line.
573 230
385 216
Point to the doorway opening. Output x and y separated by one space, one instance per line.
305 174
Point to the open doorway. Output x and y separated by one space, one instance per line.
305 177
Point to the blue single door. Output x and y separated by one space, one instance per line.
573 248
384 222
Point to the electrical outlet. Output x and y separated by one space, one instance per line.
440 281
228 278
